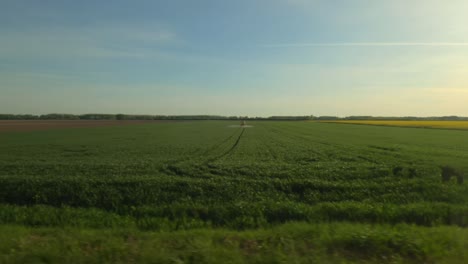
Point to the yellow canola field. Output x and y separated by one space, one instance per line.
401 123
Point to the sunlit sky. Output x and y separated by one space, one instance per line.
239 57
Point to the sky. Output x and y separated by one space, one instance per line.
242 57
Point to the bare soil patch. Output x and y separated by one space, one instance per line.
33 125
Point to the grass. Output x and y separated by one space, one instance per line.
202 181
292 243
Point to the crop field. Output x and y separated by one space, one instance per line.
403 123
211 191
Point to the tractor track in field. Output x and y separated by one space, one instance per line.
206 151
215 146
230 150
173 166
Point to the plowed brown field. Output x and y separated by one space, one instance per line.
31 125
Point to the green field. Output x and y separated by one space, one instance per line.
205 191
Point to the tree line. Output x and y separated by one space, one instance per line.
143 117
211 117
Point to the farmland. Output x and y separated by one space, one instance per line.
407 123
207 190
28 125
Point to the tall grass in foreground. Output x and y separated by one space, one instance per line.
293 243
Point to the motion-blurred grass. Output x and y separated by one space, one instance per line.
290 243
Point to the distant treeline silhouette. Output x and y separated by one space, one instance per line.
211 117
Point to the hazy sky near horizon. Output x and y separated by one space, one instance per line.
240 57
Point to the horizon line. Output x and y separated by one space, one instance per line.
220 115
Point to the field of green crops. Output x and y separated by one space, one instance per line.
207 191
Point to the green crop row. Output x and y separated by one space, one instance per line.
115 192
238 216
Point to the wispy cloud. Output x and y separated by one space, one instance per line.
367 44
98 42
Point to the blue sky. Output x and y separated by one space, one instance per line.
243 57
